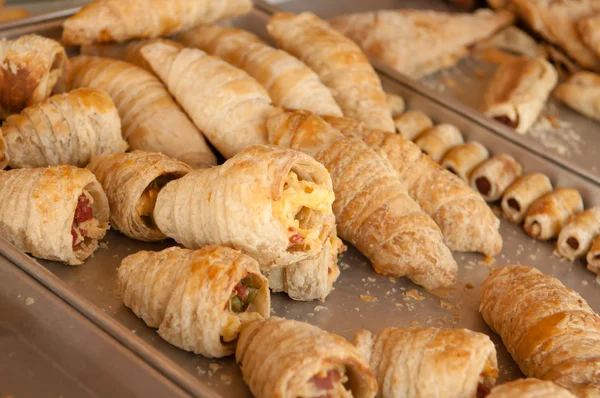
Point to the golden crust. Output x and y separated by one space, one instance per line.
593 256
412 124
529 388
493 176
581 92
522 193
575 239
462 159
436 141
550 213
3 152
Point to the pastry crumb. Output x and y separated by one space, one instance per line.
213 368
100 287
415 324
446 305
368 299
134 331
103 245
357 309
469 285
319 308
226 379
29 301
392 279
487 260
532 256
200 370
413 294
584 282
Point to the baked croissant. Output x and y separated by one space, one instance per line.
549 330
104 21
466 221
228 105
57 213
286 358
198 299
290 83
30 68
529 388
151 120
373 209
340 64
132 182
64 129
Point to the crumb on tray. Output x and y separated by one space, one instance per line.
413 294
367 299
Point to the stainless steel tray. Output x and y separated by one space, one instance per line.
91 288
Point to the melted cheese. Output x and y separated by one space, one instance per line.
234 322
147 202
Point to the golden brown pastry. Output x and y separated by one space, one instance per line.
13 13
550 213
462 159
56 213
396 104
288 358
576 238
494 175
412 123
340 64
3 152
581 92
589 32
513 40
549 330
436 141
198 299
593 256
105 21
529 388
521 194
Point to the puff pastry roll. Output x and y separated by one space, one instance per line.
198 299
581 92
373 209
57 213
228 105
593 256
64 129
339 62
521 194
105 21
529 388
462 159
550 213
151 120
271 203
494 175
290 83
436 141
287 358
396 104
3 152
30 68
576 238
412 123
549 330
459 362
518 91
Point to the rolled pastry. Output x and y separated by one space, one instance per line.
13 13
513 40
132 182
581 92
575 239
396 104
373 209
412 123
550 213
64 129
549 330
3 152
30 68
494 175
462 159
436 141
105 21
521 194
518 92
529 388
593 256
287 358
151 120
271 203
57 213
459 362
447 199
290 83
339 62
198 299
228 105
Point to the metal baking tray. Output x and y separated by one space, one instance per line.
91 288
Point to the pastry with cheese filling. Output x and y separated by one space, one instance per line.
132 182
396 104
494 175
593 256
550 213
463 159
436 141
581 92
412 124
576 238
288 358
199 300
429 362
529 388
57 213
522 193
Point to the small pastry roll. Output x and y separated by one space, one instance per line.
550 331
199 300
13 13
462 159
228 105
132 182
412 123
57 213
529 388
436 141
271 203
581 92
459 362
290 83
3 152
66 128
521 194
593 256
287 358
396 104
589 32
494 175
550 213
575 239
30 68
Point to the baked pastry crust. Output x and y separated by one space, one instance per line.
412 123
396 104
581 92
3 152
576 238
492 177
522 193
593 256
462 159
529 388
436 141
550 213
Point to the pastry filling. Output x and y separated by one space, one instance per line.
240 307
506 120
573 243
483 387
147 202
328 383
514 204
85 227
483 185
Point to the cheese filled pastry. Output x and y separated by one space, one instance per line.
462 159
550 213
412 123
593 256
529 388
576 238
522 193
494 175
436 141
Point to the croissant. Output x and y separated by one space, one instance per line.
198 299
104 21
529 388
459 362
151 120
372 207
64 129
452 204
228 105
339 62
286 358
549 330
57 213
290 83
576 238
31 67
132 182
